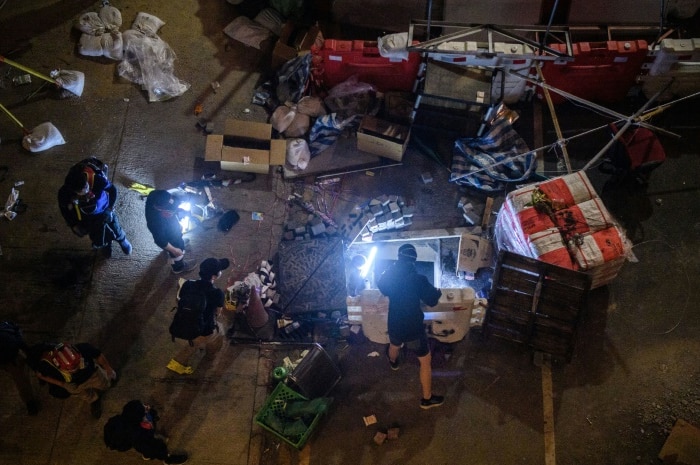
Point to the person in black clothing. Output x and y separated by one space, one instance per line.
211 338
13 360
73 369
164 225
139 420
406 288
86 200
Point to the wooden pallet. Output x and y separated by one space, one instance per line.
536 304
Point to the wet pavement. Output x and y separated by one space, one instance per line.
634 370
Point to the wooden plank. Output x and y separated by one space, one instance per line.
548 414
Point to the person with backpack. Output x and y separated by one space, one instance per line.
86 201
13 360
164 225
200 304
135 428
74 370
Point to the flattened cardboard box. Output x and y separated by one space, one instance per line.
245 146
382 138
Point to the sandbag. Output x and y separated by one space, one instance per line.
90 45
42 137
111 17
298 153
394 46
311 106
112 45
299 126
147 23
90 23
281 118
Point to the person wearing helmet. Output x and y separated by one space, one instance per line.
80 370
86 201
406 289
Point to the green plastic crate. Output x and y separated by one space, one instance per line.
275 404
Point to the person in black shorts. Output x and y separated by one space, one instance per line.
406 289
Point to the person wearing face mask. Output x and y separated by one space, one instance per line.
164 225
86 201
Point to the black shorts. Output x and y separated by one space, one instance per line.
417 346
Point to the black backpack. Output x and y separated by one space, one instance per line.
117 434
11 341
188 321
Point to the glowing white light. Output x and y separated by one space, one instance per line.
366 267
185 206
186 224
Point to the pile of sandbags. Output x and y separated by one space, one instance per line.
562 221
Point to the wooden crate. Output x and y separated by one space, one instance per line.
536 304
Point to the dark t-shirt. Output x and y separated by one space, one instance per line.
215 299
164 226
89 354
405 289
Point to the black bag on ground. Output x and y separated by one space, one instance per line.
188 321
117 434
11 341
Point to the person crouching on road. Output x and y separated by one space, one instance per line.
211 338
86 201
406 288
137 430
164 225
73 369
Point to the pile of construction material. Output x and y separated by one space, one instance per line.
562 221
381 214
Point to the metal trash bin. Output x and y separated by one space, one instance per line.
315 375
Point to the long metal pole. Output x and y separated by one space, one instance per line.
595 106
631 120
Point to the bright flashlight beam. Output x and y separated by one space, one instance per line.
185 206
365 268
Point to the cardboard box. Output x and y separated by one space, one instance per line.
246 146
382 138
474 252
294 41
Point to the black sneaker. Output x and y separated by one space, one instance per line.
434 401
175 458
395 364
96 408
182 266
106 250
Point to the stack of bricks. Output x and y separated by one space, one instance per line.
471 216
381 214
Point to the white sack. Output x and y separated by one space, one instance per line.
90 45
298 153
42 137
111 17
112 45
394 46
90 23
147 23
